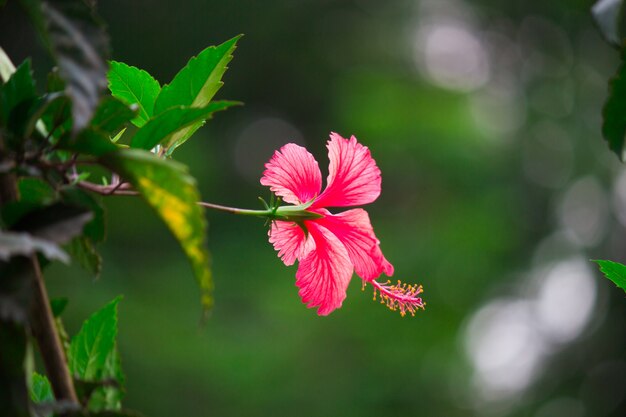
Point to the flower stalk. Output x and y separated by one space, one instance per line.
283 213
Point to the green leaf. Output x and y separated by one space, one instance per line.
89 142
111 116
134 86
54 82
57 118
609 16
196 84
31 119
614 271
614 112
118 136
17 91
93 344
84 251
57 305
23 244
109 396
81 48
20 108
35 190
163 128
40 389
172 193
34 194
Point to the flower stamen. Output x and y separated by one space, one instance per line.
399 297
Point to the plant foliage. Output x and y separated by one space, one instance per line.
53 142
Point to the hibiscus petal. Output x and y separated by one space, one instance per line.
293 174
290 241
354 230
353 177
324 273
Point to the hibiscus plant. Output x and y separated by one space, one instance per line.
55 143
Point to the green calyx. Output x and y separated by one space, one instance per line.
297 214
293 214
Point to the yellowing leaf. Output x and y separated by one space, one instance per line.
172 193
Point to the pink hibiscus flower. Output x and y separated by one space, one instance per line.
330 247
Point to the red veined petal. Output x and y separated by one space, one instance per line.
293 174
324 273
353 177
354 230
289 240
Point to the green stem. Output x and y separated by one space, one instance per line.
285 213
234 210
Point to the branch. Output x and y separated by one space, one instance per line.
45 332
41 318
122 188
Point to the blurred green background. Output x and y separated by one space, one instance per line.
484 117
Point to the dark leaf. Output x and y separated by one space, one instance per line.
35 190
83 250
14 393
16 289
609 16
96 228
58 306
81 48
89 142
57 223
18 91
18 122
34 194
23 244
6 66
614 112
166 128
172 193
54 82
36 110
134 86
57 118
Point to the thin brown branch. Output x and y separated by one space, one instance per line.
123 188
45 332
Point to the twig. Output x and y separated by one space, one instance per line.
44 330
123 188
